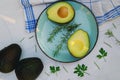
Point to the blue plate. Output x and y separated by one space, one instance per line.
44 27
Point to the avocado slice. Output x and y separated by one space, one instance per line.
78 43
61 12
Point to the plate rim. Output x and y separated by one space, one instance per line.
97 27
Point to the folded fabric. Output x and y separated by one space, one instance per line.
103 10
37 2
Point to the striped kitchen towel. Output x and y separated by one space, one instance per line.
103 10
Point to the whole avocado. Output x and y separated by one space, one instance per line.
29 68
9 57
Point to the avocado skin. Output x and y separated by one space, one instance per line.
29 68
9 57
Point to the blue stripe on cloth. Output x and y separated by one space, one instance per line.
31 22
111 14
90 4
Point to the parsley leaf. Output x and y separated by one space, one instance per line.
109 33
102 54
54 69
80 70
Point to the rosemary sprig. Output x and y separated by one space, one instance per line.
54 32
59 46
69 29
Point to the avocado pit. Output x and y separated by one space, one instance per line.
63 12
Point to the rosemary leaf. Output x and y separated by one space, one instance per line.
47 74
96 65
31 37
114 25
22 39
65 69
35 48
117 41
108 44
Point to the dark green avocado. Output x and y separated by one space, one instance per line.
9 57
29 68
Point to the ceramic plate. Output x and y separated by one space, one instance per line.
83 16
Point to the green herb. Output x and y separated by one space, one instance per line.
65 69
35 48
22 39
114 25
108 44
31 37
54 32
117 41
59 46
80 70
54 69
102 54
110 34
69 29
96 65
47 74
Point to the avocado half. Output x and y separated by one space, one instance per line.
78 43
61 12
